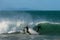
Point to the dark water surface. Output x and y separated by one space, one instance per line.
28 37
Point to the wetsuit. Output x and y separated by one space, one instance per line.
27 30
39 27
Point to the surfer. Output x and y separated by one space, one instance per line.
38 28
27 30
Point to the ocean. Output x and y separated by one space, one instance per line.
28 37
12 22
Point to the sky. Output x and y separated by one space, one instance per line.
29 4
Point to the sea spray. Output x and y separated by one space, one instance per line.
14 21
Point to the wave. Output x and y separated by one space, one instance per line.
13 22
48 28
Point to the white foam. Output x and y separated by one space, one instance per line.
15 23
46 22
32 31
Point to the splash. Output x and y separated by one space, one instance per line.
14 22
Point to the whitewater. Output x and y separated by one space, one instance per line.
14 22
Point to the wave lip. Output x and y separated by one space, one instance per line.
47 22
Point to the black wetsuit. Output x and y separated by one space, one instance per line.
27 29
39 27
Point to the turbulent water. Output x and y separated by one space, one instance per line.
28 37
14 21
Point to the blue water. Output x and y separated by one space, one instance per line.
53 16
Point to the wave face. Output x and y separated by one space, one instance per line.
48 28
14 21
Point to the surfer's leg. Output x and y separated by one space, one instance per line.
38 29
28 32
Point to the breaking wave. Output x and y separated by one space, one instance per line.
13 22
